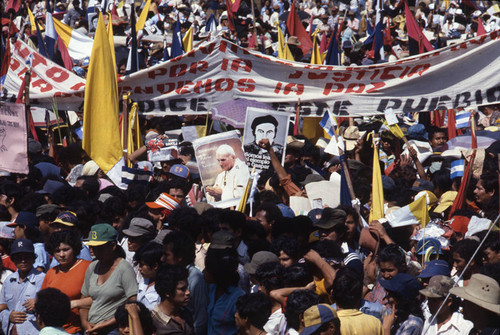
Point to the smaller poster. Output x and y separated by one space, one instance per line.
162 148
223 169
260 124
13 138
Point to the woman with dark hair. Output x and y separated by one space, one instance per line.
221 273
68 276
406 317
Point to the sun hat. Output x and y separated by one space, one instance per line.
259 258
331 217
222 239
482 290
434 268
139 227
101 234
317 315
27 219
22 245
66 218
403 284
438 287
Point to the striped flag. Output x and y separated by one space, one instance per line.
457 168
462 119
328 123
139 175
415 212
79 45
50 35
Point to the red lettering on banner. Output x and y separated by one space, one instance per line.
77 86
277 89
222 46
207 85
387 72
183 87
143 90
405 72
291 87
480 40
295 75
329 88
343 76
14 64
375 87
312 75
361 73
59 75
39 60
355 88
165 88
156 73
220 82
245 85
42 85
200 66
458 46
417 69
237 64
207 49
178 70
224 64
375 74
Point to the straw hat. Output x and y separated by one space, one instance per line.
293 40
482 291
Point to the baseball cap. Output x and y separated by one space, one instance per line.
22 245
66 218
434 268
50 187
259 258
222 239
315 215
460 224
422 185
317 315
27 219
101 234
438 287
165 201
179 170
139 227
331 217
403 284
445 201
51 209
427 243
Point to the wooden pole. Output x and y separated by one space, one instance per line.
27 81
253 23
125 126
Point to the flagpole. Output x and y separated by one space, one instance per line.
27 81
125 98
253 23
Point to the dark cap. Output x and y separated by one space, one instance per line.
434 268
139 227
260 258
222 239
50 187
45 209
22 245
402 284
315 215
331 217
422 185
27 219
439 287
179 170
311 178
66 218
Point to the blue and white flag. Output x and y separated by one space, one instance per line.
328 123
50 35
138 175
211 26
457 168
176 49
462 119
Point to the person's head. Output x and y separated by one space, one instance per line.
66 220
436 292
226 157
252 310
10 195
25 226
321 319
296 304
287 250
102 241
332 226
402 290
269 276
221 267
23 255
391 261
297 275
138 233
172 285
148 258
351 222
437 137
264 127
492 249
122 317
267 214
486 188
64 246
52 308
462 252
347 289
178 248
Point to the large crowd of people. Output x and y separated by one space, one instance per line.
81 255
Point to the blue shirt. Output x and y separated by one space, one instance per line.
14 294
221 312
42 257
198 301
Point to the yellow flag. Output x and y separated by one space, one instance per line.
395 130
142 18
283 50
111 42
187 40
101 132
32 21
377 208
419 209
316 57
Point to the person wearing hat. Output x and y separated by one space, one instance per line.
481 303
321 319
26 226
109 281
138 233
406 317
17 298
161 208
332 226
448 320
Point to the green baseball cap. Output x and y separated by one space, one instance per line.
101 234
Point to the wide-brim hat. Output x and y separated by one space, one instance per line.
482 290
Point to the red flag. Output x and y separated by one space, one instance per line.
415 33
68 63
6 58
296 127
452 131
230 17
387 36
480 27
323 45
295 28
13 4
235 6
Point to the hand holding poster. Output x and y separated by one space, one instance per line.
260 124
13 138
223 168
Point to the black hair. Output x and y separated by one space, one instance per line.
465 249
492 242
167 279
347 289
187 220
270 276
112 207
297 275
149 253
256 307
222 264
264 119
236 220
12 191
69 237
434 130
122 319
181 245
297 303
442 180
491 270
272 211
393 254
328 249
284 227
91 186
253 229
53 307
289 246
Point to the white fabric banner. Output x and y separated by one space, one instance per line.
462 75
